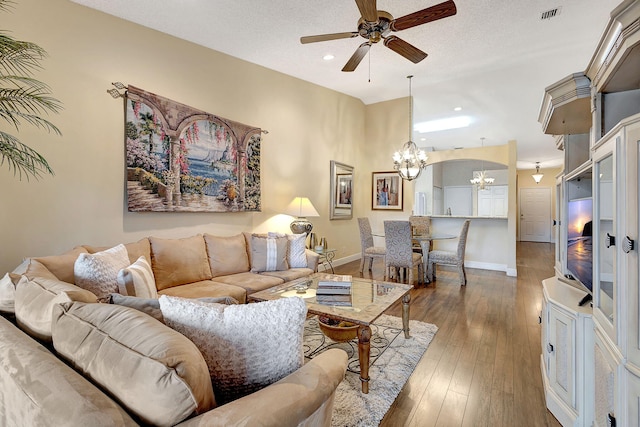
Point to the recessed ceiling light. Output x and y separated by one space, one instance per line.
328 57
457 109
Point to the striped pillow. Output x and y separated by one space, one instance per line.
137 280
268 253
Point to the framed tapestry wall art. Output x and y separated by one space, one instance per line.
179 158
386 191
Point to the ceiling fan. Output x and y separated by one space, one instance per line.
375 25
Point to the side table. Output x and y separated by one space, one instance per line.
326 258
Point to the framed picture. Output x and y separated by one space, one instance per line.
343 190
386 191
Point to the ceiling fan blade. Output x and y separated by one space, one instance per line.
433 13
357 56
325 37
368 9
405 49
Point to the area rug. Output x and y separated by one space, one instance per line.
393 359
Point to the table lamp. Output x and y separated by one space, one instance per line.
301 208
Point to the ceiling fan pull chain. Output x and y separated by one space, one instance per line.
370 66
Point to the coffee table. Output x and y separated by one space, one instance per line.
369 299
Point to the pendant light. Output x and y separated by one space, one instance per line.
409 161
537 177
480 178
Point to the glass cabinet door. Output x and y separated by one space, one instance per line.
604 226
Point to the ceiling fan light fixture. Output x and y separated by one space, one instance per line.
410 160
328 57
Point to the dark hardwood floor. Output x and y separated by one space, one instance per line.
483 366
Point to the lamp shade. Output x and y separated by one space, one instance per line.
537 177
301 208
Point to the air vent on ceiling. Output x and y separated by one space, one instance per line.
551 13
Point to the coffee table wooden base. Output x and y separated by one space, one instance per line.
364 343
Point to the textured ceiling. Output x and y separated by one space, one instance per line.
493 58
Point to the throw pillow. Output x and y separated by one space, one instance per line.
98 272
246 346
268 253
137 280
296 251
8 292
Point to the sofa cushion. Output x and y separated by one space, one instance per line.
250 282
227 255
153 371
98 272
62 265
208 288
151 306
179 261
290 274
137 280
268 253
248 346
34 303
39 389
135 249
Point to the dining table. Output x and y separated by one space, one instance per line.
425 244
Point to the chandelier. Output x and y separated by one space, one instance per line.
480 178
409 160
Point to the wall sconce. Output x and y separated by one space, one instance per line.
537 177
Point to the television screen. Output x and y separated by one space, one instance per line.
579 241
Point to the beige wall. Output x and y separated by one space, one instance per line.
84 203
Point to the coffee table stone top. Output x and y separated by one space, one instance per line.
367 301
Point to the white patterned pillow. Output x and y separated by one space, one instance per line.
98 272
296 253
137 280
246 346
7 294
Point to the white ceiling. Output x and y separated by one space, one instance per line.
494 58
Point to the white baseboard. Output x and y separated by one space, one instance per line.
471 264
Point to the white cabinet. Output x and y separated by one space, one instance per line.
493 201
567 353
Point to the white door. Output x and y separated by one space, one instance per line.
535 214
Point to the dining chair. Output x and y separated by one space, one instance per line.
450 258
397 237
419 225
369 251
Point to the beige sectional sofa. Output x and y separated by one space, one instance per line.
68 360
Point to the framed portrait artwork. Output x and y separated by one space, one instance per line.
386 191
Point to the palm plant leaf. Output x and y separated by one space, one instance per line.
23 99
21 159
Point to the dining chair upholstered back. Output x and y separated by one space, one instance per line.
451 258
369 251
419 225
400 255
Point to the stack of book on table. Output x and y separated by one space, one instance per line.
334 289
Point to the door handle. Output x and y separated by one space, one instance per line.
628 244
611 240
549 348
